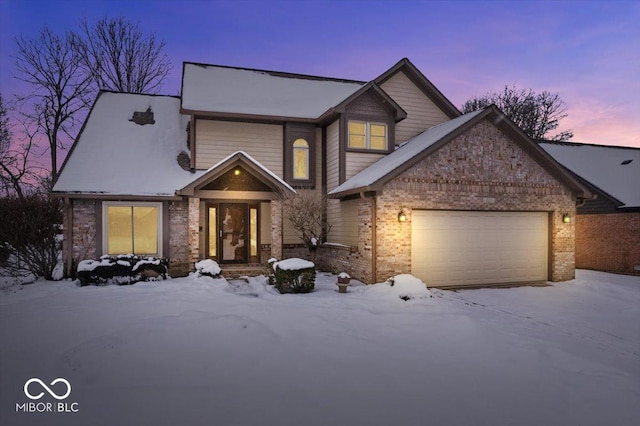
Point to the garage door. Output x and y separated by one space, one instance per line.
453 248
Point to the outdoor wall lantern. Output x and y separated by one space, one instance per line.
566 218
236 172
402 216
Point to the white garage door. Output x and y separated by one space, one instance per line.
454 248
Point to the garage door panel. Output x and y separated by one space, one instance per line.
463 248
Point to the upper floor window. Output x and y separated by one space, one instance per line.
368 135
300 159
299 154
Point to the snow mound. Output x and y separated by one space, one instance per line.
208 267
403 286
293 264
90 265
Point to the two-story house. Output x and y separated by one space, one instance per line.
413 185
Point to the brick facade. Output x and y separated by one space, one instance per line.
179 252
608 242
482 169
79 238
276 229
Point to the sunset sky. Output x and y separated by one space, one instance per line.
588 51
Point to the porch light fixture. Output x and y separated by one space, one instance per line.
402 216
566 218
236 172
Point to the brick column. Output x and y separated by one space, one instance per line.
194 230
276 229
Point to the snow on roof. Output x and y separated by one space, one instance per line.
113 155
403 154
232 90
603 167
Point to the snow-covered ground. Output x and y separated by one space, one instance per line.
203 351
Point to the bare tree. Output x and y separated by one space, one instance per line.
51 65
17 170
119 56
536 114
305 212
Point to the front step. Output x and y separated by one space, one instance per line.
242 270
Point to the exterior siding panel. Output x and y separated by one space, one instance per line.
422 113
216 140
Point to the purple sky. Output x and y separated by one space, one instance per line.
588 51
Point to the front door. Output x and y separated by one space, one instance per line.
232 233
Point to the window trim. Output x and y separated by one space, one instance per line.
293 132
367 136
105 223
307 150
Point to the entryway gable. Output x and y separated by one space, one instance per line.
238 172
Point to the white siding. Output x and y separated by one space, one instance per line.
422 113
343 218
358 161
216 140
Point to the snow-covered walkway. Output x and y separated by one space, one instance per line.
198 351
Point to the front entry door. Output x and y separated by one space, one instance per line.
232 233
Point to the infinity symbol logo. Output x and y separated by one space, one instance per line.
47 388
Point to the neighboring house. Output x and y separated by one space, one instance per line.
607 226
414 186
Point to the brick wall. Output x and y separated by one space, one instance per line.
179 253
479 170
354 260
276 229
608 242
83 230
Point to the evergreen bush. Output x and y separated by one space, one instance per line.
122 269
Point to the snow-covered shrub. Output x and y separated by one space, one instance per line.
122 269
409 287
208 267
270 272
294 275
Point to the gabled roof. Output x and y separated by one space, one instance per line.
400 114
416 149
238 158
114 156
423 83
612 169
213 89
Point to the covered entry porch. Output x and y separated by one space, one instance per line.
235 213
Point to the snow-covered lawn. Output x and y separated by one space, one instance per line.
199 351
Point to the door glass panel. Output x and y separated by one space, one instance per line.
233 217
213 233
253 233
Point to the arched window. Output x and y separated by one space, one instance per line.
301 159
